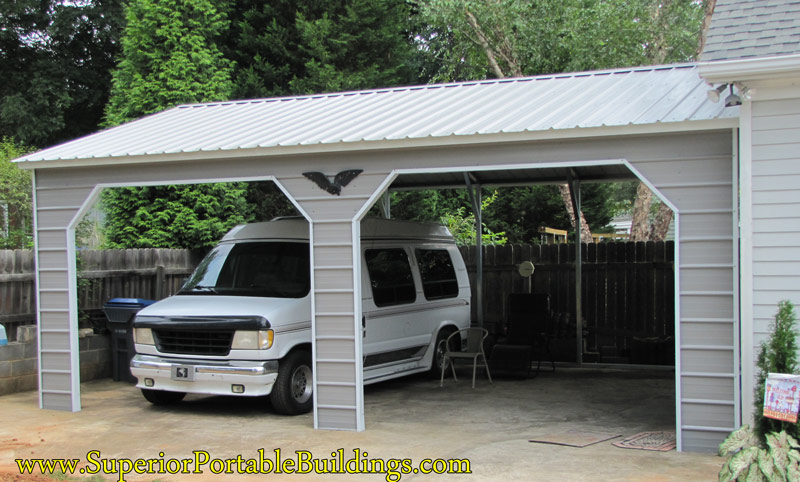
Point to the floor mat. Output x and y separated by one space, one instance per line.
659 441
575 438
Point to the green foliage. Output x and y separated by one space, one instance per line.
285 47
56 57
16 196
530 37
751 460
462 225
169 56
777 355
516 212
192 217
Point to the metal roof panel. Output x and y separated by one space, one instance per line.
633 96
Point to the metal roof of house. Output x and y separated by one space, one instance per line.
424 114
743 29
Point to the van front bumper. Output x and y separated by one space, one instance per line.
255 378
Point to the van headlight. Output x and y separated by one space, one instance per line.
252 340
143 336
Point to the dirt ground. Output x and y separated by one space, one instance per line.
409 418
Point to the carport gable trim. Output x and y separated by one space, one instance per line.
387 144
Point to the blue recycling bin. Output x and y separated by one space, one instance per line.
120 313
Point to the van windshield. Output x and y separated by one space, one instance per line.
268 269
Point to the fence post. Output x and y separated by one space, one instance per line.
160 282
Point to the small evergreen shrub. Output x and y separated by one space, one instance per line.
778 355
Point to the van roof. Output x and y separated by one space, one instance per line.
296 228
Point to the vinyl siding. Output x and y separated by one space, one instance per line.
776 211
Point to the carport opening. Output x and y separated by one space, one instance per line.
114 260
627 309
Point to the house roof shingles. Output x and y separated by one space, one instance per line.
743 29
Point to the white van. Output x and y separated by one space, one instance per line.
241 324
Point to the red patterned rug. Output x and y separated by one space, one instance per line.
658 441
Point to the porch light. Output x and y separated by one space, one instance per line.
733 99
713 94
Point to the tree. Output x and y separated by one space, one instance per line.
518 212
286 47
469 39
777 355
174 216
16 207
170 56
531 37
56 57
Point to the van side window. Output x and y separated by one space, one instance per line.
390 277
438 276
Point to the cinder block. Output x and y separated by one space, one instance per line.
8 385
5 369
23 367
83 344
105 357
90 357
13 351
26 333
100 342
31 350
28 382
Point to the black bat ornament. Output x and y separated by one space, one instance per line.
339 181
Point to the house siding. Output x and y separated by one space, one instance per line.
775 212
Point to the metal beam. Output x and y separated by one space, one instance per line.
575 193
474 191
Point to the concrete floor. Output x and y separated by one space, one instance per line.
407 418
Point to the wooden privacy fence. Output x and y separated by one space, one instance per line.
131 273
628 300
628 290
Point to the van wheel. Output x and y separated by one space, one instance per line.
292 393
439 350
161 397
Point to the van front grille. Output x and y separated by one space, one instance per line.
194 342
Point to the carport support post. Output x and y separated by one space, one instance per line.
575 193
474 191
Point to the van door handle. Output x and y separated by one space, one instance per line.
363 326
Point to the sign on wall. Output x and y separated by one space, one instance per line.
782 397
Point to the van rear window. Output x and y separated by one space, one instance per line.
438 276
273 270
390 277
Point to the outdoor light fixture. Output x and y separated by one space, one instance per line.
713 94
733 99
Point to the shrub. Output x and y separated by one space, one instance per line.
778 355
749 459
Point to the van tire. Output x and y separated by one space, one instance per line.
438 352
161 397
292 393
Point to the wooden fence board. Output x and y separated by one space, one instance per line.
628 288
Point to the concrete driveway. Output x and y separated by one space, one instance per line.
410 418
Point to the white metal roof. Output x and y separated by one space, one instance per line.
446 113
